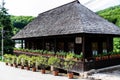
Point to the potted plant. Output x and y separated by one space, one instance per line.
33 63
97 57
44 64
27 60
45 52
14 58
70 56
51 53
79 57
54 61
21 60
40 51
38 61
6 59
104 56
61 54
68 65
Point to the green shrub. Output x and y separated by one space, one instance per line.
54 61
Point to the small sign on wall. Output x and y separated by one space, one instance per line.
78 40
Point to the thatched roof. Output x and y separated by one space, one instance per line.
71 18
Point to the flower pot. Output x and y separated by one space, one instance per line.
97 58
6 63
15 65
11 65
55 73
43 71
111 56
70 75
28 68
22 67
33 69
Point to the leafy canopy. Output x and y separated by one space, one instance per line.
5 23
113 15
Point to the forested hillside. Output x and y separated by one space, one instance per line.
19 22
113 15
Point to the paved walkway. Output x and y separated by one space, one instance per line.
11 73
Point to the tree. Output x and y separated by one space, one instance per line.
5 23
113 15
20 22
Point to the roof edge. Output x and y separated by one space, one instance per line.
74 1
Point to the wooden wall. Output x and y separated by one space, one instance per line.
63 43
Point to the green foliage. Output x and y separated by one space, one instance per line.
5 23
51 52
68 64
21 59
61 53
116 45
45 51
39 61
33 61
54 61
44 62
10 58
14 58
20 22
70 55
113 15
79 56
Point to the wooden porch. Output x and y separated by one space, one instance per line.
85 64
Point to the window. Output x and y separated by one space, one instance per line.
71 46
20 43
52 46
47 46
61 46
95 48
104 45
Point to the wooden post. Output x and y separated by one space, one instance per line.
83 51
65 46
43 44
22 44
55 45
109 44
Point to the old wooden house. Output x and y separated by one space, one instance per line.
71 27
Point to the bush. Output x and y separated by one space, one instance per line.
54 61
